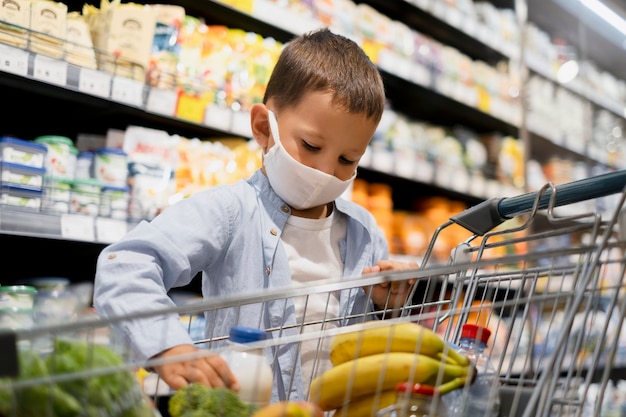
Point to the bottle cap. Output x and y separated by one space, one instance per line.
415 388
241 334
475 332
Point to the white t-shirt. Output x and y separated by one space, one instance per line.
312 247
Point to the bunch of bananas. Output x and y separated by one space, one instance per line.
369 362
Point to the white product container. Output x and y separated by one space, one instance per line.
17 297
84 165
20 197
114 202
57 194
22 175
250 366
61 155
85 197
24 152
111 166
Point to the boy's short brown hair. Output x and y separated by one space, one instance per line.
324 61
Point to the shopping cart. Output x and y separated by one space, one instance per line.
547 283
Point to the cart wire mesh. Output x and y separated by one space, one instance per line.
547 284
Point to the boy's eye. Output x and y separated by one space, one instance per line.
309 146
346 161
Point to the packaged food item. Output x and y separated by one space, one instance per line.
124 32
19 197
79 47
84 165
24 152
110 166
57 194
14 16
48 24
61 155
85 197
114 202
21 175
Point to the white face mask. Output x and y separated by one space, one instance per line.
301 187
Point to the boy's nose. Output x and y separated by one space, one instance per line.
326 167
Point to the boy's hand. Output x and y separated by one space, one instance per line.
390 295
209 370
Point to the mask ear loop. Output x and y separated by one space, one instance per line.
273 126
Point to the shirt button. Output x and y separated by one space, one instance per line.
267 270
285 209
273 232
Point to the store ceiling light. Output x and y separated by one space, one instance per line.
606 13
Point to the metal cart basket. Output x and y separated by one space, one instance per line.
543 271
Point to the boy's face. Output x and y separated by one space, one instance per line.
317 134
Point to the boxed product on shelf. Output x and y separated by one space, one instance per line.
20 151
125 33
48 24
21 175
79 49
15 17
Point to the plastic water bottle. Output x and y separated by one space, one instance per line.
481 398
249 365
414 400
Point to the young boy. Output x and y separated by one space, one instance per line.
286 224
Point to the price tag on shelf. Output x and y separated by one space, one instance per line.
78 226
218 117
241 123
110 230
162 101
94 82
13 60
127 91
50 70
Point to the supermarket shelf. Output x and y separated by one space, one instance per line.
67 226
426 103
462 37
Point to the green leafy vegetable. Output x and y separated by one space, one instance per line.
113 394
195 400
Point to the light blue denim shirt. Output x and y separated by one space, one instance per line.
231 234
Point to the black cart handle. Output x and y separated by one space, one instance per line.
484 216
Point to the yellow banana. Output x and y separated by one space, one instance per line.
367 405
377 373
376 337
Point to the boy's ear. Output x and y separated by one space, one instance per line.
260 125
